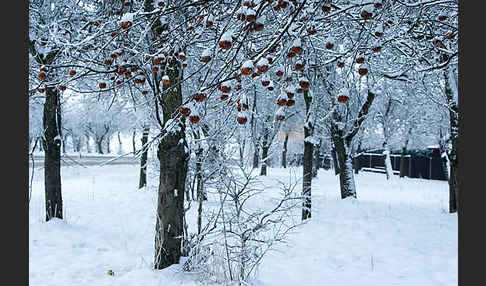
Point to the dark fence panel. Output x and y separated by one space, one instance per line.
416 166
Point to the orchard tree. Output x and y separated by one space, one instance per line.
51 25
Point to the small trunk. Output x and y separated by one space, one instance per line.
120 149
307 160
108 151
402 162
452 192
52 146
201 195
253 125
356 165
446 167
133 142
199 184
404 152
284 151
99 146
241 148
88 147
316 159
307 180
199 214
255 157
41 146
388 165
143 159
64 140
263 171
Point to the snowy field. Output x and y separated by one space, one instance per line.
396 233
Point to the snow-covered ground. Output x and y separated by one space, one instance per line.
397 232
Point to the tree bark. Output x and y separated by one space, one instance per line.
356 159
307 160
170 205
99 146
402 162
64 140
200 194
265 147
255 156
346 175
335 160
454 138
284 150
255 138
169 228
120 149
41 148
133 142
52 146
316 157
143 159
342 144
108 151
452 192
388 165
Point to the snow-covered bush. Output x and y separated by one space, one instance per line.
241 228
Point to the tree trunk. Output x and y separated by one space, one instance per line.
120 149
76 143
88 147
199 186
388 165
307 179
200 194
169 228
52 147
143 159
108 151
356 165
346 175
452 192
307 161
41 147
335 161
133 142
265 147
64 140
241 145
255 157
316 159
99 146
170 204
454 137
284 150
255 138
402 162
